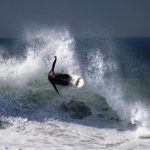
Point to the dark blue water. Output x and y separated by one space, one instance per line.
132 55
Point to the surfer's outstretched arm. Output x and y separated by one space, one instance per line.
54 87
53 65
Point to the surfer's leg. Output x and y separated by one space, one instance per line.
63 76
62 82
67 76
62 79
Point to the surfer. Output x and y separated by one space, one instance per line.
58 78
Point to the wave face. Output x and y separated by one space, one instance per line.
115 72
23 77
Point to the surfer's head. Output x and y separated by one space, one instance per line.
52 74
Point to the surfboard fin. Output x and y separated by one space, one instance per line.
77 82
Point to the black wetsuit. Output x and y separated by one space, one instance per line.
58 78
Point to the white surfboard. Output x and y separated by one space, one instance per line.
77 81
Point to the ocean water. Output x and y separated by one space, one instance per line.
117 82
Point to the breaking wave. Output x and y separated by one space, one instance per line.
24 87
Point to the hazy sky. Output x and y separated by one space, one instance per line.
83 17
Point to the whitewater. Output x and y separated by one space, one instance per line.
30 113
